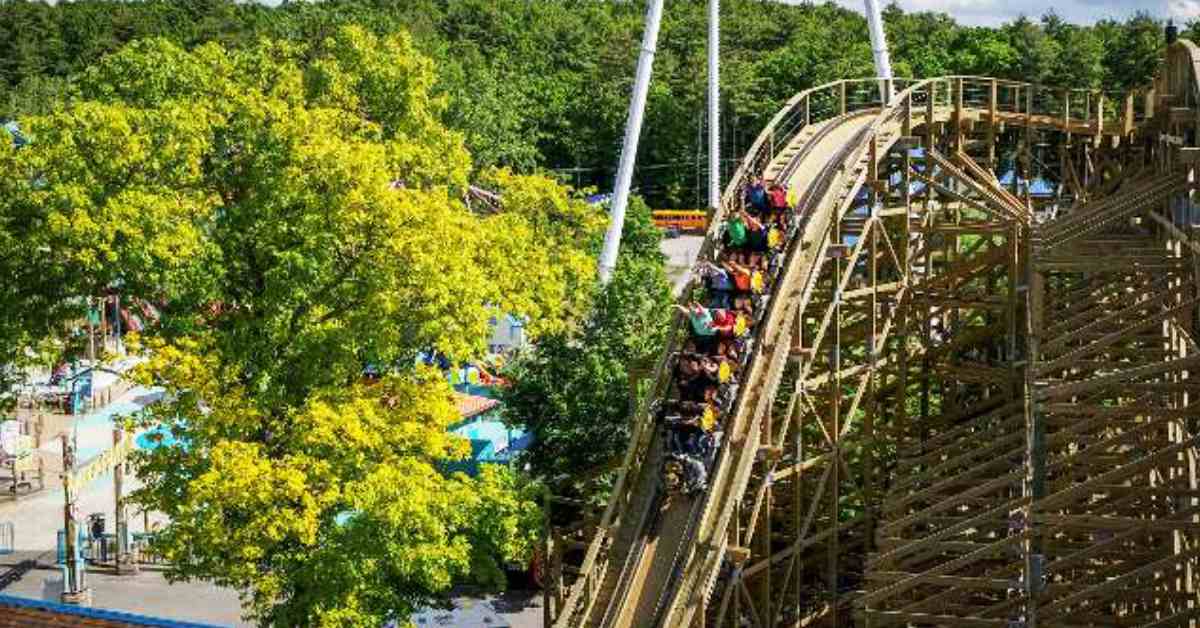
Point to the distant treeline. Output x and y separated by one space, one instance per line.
544 83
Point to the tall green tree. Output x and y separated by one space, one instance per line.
572 391
1133 53
296 212
1037 52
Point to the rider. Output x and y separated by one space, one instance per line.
735 229
747 280
756 195
720 284
777 198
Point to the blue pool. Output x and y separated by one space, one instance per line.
155 438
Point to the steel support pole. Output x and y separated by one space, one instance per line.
714 104
633 131
883 64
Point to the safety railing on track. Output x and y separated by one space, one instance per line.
811 107
1094 111
1088 110
921 102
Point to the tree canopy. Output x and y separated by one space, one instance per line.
572 390
296 211
545 84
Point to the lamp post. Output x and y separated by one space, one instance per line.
75 589
124 559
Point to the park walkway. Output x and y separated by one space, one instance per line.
30 572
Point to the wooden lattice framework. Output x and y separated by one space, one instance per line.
971 404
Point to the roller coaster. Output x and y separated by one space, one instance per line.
968 402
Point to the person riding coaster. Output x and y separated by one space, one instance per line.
777 198
688 415
688 448
684 469
756 195
703 378
696 384
719 285
736 292
684 475
708 325
688 438
747 279
689 363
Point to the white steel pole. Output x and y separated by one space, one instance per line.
633 131
714 104
883 65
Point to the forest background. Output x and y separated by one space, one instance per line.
544 85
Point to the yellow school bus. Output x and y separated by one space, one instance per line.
681 219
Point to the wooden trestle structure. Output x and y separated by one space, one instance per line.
971 402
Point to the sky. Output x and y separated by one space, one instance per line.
993 12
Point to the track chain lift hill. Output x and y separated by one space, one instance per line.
971 400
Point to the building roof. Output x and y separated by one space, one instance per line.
473 405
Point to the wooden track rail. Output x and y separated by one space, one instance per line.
970 402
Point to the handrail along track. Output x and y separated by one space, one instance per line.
834 197
810 107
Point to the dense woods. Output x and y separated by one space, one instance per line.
545 84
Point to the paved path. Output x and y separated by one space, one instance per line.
681 253
147 593
513 609
38 518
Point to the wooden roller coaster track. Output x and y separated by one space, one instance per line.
970 400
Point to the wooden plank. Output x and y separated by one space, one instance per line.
942 620
966 582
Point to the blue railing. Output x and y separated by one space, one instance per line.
96 613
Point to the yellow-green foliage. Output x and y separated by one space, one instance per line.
297 214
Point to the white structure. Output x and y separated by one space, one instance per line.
633 131
508 333
883 63
714 104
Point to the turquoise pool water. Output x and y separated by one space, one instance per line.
94 430
495 431
134 402
491 442
155 438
